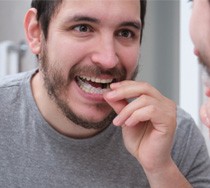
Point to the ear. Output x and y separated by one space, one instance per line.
33 31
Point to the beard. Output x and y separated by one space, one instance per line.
56 85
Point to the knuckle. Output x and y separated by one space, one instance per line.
153 109
143 98
146 84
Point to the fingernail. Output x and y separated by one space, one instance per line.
116 121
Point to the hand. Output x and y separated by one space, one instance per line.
148 122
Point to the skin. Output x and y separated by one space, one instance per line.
200 34
105 41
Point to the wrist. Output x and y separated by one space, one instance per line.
157 169
167 175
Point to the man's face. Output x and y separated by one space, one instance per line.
200 31
90 44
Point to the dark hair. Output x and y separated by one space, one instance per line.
143 13
46 9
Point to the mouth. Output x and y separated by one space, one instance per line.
93 85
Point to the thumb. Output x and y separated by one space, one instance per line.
116 105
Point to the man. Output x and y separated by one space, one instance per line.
200 34
56 122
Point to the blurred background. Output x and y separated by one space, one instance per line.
167 61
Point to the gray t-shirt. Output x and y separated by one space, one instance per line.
33 154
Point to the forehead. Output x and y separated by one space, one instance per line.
101 9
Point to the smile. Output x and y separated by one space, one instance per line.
93 85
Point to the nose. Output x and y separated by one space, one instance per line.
105 53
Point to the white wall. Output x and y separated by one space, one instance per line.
12 14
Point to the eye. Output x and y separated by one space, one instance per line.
82 28
125 33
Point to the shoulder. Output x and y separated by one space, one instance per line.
189 142
186 125
187 128
190 150
12 81
184 119
12 87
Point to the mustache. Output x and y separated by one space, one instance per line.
94 71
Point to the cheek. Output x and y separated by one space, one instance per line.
130 60
67 53
197 26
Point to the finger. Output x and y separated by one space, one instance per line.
116 105
136 104
161 122
133 136
141 115
132 89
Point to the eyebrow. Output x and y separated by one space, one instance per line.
135 24
80 18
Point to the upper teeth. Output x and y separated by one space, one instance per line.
97 80
88 88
